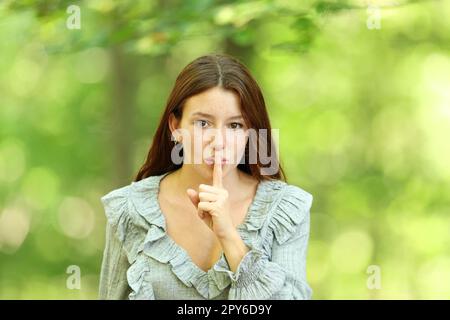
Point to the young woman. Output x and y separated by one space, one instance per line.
206 218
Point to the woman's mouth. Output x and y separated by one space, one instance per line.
211 161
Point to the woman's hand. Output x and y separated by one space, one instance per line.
212 203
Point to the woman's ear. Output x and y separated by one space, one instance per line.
174 124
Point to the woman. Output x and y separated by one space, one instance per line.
205 218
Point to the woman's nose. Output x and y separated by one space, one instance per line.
218 141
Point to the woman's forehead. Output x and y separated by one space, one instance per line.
215 102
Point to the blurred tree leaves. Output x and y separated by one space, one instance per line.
154 27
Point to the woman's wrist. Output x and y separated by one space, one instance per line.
234 249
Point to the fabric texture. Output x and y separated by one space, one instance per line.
141 261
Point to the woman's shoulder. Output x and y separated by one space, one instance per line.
140 195
290 207
131 210
288 192
125 190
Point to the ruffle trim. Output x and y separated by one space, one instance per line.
141 288
141 226
292 209
255 277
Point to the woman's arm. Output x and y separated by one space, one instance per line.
234 249
113 275
291 255
283 274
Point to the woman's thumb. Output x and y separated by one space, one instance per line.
193 195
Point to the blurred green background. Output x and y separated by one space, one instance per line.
360 91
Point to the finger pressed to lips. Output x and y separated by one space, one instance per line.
211 162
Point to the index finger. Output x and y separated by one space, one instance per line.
217 173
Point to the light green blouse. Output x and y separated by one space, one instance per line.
141 261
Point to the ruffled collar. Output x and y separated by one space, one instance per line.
160 246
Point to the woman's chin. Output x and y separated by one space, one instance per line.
211 165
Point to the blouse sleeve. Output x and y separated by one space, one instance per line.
113 279
283 275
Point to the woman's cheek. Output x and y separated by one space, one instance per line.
237 149
189 150
198 149
240 153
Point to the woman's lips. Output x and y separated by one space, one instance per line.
210 161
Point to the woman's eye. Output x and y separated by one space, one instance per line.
201 123
236 125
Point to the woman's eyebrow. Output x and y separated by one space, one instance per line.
206 115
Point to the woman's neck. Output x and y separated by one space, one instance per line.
240 186
188 177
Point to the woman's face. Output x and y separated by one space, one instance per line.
212 125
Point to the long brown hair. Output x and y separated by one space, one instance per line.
200 75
